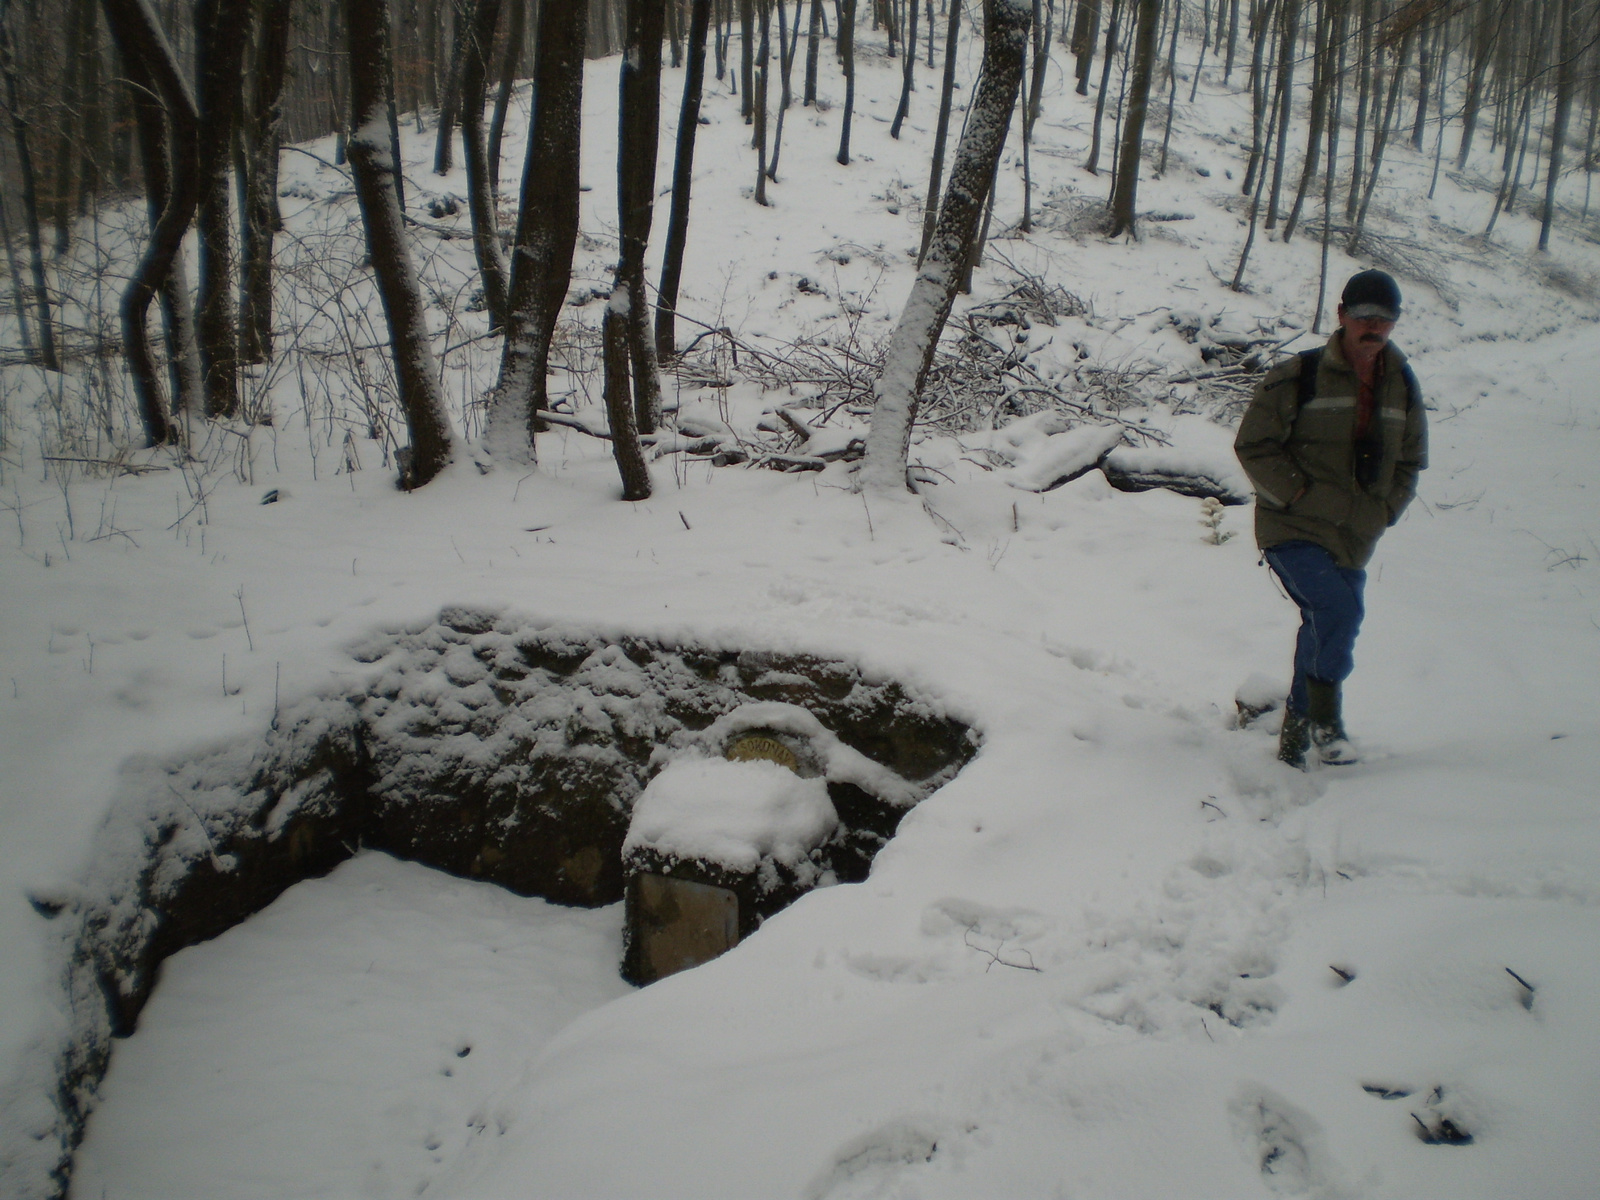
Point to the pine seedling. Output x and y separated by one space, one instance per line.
1211 510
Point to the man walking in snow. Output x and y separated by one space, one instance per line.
1332 442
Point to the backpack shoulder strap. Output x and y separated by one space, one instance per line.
1413 388
1309 359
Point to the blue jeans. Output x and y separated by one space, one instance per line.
1331 609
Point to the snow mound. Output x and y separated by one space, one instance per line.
732 813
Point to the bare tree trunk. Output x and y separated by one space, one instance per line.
916 337
787 45
260 214
813 43
1566 52
1093 165
18 300
639 128
906 81
747 60
1291 32
1321 84
620 412
1259 70
1482 50
1233 39
373 164
1380 139
941 130
1125 185
48 357
1172 83
450 99
1041 62
1364 91
219 28
547 231
1425 46
480 192
144 48
847 53
70 126
1336 77
1085 31
508 83
155 154
763 59
682 181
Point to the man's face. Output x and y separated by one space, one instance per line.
1371 334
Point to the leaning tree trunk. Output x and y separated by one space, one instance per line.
219 28
906 82
1566 51
682 181
508 82
1093 165
450 102
177 306
941 130
480 191
373 164
30 201
547 231
1125 187
638 131
139 40
1380 139
1321 84
1291 34
915 339
261 185
847 55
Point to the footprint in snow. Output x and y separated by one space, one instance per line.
1285 1143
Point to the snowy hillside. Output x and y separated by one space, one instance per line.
1123 953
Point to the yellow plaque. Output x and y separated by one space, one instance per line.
755 748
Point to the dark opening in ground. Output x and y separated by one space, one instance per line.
494 750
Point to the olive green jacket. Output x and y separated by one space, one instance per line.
1301 461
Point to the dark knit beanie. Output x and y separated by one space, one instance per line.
1372 294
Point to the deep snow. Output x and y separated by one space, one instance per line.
1108 959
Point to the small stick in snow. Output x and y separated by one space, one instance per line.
684 519
1344 973
245 617
1528 989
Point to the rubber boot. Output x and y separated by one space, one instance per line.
1324 714
1295 739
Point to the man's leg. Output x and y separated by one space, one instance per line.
1331 608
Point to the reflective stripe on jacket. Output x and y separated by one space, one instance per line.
1286 450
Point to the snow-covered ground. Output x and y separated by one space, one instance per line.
1125 953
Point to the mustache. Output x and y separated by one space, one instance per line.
1373 337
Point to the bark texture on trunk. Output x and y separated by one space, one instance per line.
139 40
682 181
373 163
916 337
639 126
220 27
30 202
1125 187
261 186
547 231
480 191
177 306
